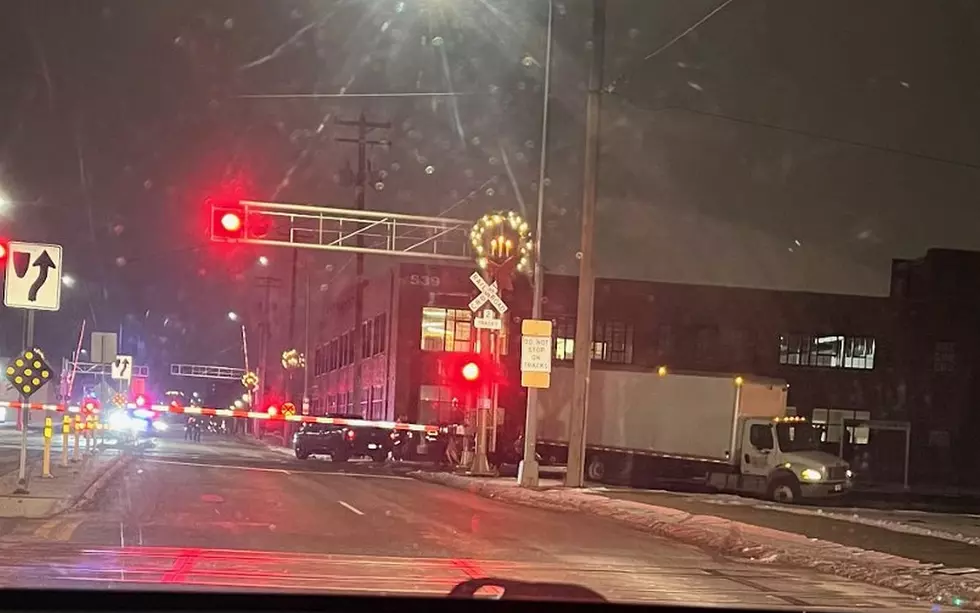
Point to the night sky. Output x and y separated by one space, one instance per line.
785 143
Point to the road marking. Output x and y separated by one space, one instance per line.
205 465
276 470
351 508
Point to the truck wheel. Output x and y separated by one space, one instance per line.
302 454
785 489
379 456
595 469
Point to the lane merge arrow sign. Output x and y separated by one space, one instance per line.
122 368
33 276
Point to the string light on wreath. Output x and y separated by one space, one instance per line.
501 244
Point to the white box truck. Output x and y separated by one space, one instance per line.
729 432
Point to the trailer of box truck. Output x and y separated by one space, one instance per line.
728 432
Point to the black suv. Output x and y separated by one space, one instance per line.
341 442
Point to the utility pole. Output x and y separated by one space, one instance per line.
360 189
527 473
265 335
586 277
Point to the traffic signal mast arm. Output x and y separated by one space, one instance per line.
331 229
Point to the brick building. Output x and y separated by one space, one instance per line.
903 358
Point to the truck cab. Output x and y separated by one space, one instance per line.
780 458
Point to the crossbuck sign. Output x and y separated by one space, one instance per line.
488 293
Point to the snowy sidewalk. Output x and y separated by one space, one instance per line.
739 538
68 486
950 539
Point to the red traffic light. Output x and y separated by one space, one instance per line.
227 221
470 371
231 222
90 406
273 410
3 252
467 371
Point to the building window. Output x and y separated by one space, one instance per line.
446 329
377 402
827 351
436 404
378 344
367 339
611 341
944 357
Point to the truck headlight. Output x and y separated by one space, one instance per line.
811 474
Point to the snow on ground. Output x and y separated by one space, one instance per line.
757 543
963 528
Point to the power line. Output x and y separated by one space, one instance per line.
612 84
824 137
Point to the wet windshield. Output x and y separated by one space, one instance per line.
385 296
797 437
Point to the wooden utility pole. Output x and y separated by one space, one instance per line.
360 189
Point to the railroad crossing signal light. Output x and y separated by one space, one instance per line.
273 410
227 221
3 253
28 372
470 371
141 401
90 406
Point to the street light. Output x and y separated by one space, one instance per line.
527 471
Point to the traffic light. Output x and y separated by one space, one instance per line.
141 401
272 410
227 221
3 253
90 406
468 371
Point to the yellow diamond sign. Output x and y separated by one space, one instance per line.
28 372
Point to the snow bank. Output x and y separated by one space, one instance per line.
739 539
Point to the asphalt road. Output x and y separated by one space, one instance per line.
225 515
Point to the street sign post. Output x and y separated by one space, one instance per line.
27 288
489 292
32 290
488 321
104 347
27 373
122 368
536 353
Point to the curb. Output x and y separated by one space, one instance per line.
99 484
737 539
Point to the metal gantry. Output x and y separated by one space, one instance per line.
332 229
94 368
207 371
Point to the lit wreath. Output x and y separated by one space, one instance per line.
502 244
